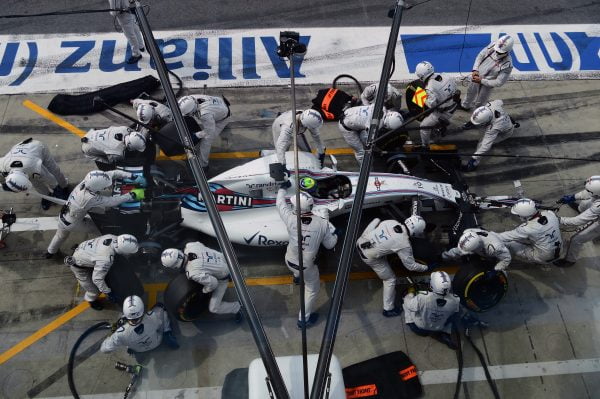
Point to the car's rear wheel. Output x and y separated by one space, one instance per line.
185 299
477 291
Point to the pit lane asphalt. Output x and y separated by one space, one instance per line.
191 14
549 314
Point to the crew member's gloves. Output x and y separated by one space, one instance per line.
138 194
322 159
412 290
566 199
432 266
207 289
285 185
470 166
112 297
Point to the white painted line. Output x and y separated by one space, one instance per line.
35 224
185 393
507 371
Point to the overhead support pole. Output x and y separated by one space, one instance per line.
241 289
341 280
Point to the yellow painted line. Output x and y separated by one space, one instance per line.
42 332
287 279
52 117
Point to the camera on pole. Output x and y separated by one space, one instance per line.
289 43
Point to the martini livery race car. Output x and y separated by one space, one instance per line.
245 197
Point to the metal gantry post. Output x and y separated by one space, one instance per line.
258 332
299 232
341 280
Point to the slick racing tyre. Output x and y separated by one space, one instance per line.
185 299
477 291
123 281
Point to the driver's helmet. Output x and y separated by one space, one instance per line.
307 183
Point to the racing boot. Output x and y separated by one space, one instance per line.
96 305
563 263
312 319
392 313
170 340
46 204
445 338
133 59
239 316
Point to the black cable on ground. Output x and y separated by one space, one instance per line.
488 377
459 359
98 326
360 88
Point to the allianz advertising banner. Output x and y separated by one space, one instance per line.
231 58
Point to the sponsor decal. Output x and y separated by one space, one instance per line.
408 373
233 58
265 241
363 391
378 183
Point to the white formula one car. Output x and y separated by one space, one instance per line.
245 196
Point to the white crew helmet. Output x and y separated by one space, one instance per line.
469 242
172 258
440 283
145 113
311 119
188 105
592 184
504 44
133 309
524 208
126 244
415 225
135 141
424 69
482 116
306 202
392 120
17 181
97 180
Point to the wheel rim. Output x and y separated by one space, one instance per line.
482 294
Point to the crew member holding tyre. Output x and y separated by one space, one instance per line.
92 260
86 197
486 244
283 134
587 222
430 313
382 238
109 145
206 267
538 239
140 331
316 230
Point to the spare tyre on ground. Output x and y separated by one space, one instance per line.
477 290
